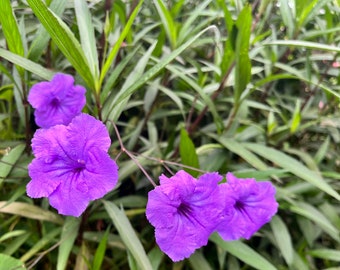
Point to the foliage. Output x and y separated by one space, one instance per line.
251 88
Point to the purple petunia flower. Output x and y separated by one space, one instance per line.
71 165
254 205
57 101
184 212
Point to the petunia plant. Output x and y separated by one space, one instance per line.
169 134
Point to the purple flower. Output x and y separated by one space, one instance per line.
57 101
71 165
184 212
254 205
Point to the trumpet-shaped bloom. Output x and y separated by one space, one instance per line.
184 212
57 101
254 205
71 165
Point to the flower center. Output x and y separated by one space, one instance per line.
79 166
184 209
55 102
239 205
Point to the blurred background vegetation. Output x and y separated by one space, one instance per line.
250 87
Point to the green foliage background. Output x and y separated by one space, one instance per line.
251 88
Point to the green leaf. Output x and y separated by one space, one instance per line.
87 38
45 240
167 21
180 72
292 165
64 39
243 253
229 47
10 29
27 64
242 60
118 43
160 65
15 244
9 263
42 37
128 235
283 239
288 17
198 262
115 109
322 151
309 10
8 161
237 148
115 74
188 153
29 211
68 236
317 217
100 252
296 119
185 31
304 44
326 254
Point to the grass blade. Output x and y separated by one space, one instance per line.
65 40
29 211
10 29
188 153
243 253
167 21
40 42
27 64
86 32
118 43
292 165
128 235
160 65
283 239
68 236
242 60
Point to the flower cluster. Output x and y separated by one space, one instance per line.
71 165
185 211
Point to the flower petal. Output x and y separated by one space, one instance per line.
85 132
46 143
71 197
101 174
46 177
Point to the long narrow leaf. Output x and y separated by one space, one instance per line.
27 64
119 42
29 211
68 236
242 60
87 38
10 29
283 239
40 42
128 235
292 165
160 65
167 21
65 40
243 253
